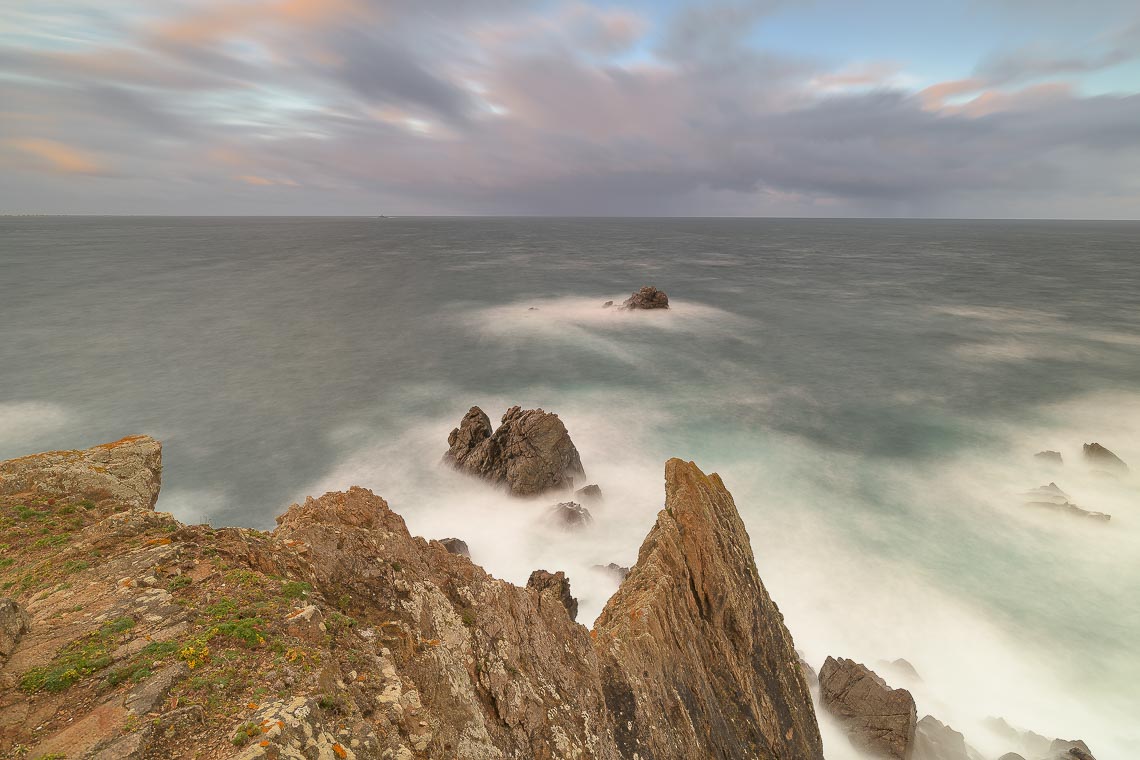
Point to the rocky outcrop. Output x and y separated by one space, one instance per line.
529 453
127 472
14 622
933 740
1103 459
340 635
591 494
456 546
1049 457
877 718
647 297
615 571
558 586
1051 497
570 515
1069 749
696 661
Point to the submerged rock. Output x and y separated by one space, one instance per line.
647 297
933 740
695 657
589 494
876 717
558 585
614 570
126 473
1098 456
572 515
529 453
1049 457
456 546
607 304
1053 498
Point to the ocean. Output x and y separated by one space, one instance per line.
872 393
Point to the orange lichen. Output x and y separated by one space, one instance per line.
339 751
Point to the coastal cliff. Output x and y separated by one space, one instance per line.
340 635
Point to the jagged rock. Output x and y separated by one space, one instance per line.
1049 457
647 297
1053 498
1028 743
695 657
1100 457
876 717
14 623
590 494
456 546
614 570
933 740
127 472
558 585
571 515
529 453
809 672
1069 749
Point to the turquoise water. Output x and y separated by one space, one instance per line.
871 391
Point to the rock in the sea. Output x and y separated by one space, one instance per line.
607 304
696 661
1049 457
647 297
127 473
1100 457
571 515
556 584
1069 749
529 453
1011 756
876 717
14 622
1053 498
456 546
614 570
933 740
590 494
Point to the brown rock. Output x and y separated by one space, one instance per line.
877 718
1098 456
571 515
127 472
456 546
14 623
590 494
529 453
934 740
695 657
556 584
647 297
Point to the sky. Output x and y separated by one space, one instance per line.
831 108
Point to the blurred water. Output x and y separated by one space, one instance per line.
871 391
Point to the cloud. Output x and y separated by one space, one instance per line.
543 107
57 156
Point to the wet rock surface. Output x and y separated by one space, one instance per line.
570 515
648 297
876 718
1099 457
529 453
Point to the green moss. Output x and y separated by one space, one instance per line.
79 659
295 589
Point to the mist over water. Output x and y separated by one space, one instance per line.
871 392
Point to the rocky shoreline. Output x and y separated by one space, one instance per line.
126 634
